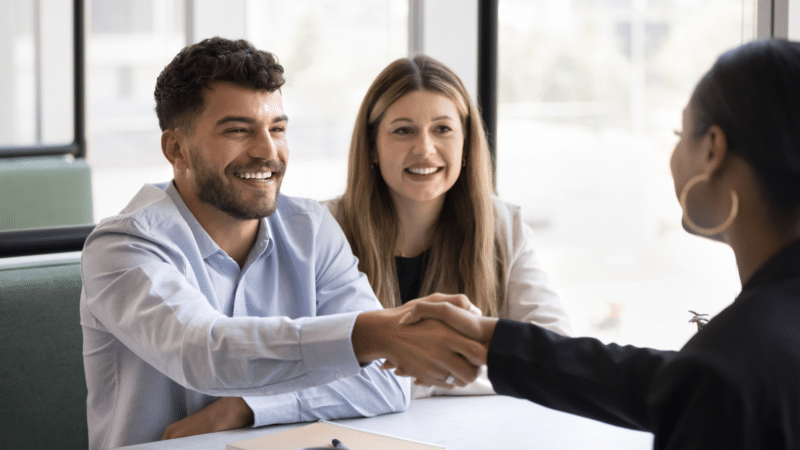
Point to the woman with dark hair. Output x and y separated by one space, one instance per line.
419 210
736 383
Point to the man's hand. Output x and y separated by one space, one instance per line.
425 349
480 329
226 413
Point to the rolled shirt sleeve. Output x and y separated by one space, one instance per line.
371 392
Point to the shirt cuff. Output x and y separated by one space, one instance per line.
326 345
274 409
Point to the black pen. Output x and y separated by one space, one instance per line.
338 444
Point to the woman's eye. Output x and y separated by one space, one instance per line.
443 129
402 130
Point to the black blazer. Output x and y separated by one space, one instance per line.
734 385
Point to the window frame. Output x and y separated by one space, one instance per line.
76 148
773 19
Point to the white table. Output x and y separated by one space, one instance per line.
461 423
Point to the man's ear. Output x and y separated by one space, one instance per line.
175 147
715 148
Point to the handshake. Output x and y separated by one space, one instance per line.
441 340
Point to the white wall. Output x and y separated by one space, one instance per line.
7 82
449 34
57 67
794 20
207 23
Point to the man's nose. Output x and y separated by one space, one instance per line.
264 146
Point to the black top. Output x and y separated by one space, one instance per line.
734 385
409 275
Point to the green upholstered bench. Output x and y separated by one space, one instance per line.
42 383
44 191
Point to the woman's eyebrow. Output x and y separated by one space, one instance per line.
405 119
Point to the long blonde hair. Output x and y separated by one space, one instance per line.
467 256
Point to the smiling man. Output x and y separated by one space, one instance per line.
214 293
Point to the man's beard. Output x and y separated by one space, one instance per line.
212 190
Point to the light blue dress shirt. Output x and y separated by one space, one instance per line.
170 321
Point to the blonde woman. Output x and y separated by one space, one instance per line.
419 210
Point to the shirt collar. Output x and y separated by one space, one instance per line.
783 265
264 239
204 242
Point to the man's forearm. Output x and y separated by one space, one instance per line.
370 392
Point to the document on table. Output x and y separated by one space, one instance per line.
320 434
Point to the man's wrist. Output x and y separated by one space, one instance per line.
366 344
234 412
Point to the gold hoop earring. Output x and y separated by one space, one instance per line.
697 228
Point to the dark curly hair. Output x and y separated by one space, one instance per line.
179 88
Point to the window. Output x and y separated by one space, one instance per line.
42 183
36 77
590 92
330 53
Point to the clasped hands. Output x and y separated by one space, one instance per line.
439 339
